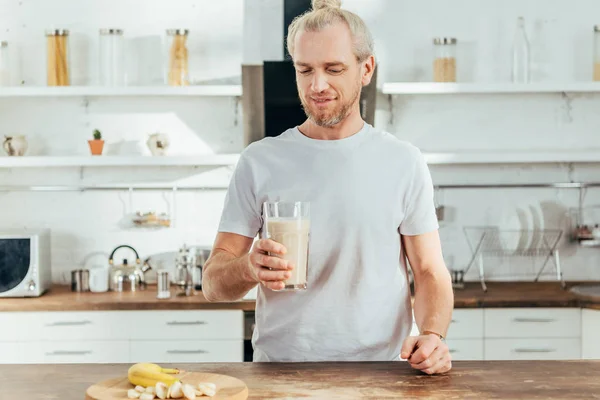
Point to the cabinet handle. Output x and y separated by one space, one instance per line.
534 319
453 321
186 323
452 351
187 352
68 353
534 350
69 323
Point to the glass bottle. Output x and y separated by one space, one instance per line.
177 73
596 75
520 57
4 64
111 57
444 63
57 52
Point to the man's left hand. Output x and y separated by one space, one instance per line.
427 353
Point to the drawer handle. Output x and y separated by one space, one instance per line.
534 350
69 323
68 353
186 323
453 351
534 320
453 321
187 352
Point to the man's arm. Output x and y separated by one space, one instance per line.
434 298
434 302
231 271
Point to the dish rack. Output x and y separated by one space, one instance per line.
488 242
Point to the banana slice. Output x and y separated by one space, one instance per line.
147 396
175 391
133 394
189 392
162 390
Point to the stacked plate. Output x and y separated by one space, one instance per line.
522 228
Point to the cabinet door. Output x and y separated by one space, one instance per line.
533 349
187 351
75 352
466 324
18 352
590 343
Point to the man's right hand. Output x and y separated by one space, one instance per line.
269 270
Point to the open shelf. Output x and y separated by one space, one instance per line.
120 161
101 91
488 88
525 157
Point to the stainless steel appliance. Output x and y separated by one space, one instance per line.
126 277
24 263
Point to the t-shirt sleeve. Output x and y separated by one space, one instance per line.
419 216
241 213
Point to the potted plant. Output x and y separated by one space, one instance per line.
97 144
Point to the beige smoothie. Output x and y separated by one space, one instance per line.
293 233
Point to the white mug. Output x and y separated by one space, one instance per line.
98 279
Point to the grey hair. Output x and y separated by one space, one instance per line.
325 13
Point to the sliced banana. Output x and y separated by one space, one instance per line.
133 394
162 390
207 390
175 391
208 384
140 389
147 396
150 389
189 392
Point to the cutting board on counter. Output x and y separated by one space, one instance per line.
228 387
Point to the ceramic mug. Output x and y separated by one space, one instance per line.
98 279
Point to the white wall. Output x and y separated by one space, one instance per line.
87 223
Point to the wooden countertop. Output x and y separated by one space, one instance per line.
373 380
499 294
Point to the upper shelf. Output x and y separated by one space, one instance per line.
66 91
512 157
487 88
213 160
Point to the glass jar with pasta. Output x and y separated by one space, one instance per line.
444 63
177 71
57 53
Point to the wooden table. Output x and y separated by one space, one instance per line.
370 380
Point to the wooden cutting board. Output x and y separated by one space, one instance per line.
228 387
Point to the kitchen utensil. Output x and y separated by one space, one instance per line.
202 255
458 278
98 279
163 285
184 265
15 145
80 279
228 387
126 277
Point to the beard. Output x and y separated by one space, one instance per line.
326 118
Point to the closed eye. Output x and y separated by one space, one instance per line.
304 72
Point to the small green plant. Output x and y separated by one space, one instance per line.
97 134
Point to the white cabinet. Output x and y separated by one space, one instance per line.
590 334
465 349
121 336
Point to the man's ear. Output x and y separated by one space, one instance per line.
368 68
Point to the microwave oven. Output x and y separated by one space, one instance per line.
24 263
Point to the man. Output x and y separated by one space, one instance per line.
371 200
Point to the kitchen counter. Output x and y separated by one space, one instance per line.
499 294
373 380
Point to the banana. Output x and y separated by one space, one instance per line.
147 374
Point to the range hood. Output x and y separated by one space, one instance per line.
270 102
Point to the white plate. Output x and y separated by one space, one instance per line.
527 226
538 223
510 226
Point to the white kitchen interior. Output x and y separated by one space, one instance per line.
483 131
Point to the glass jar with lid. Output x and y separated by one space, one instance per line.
111 66
4 64
58 58
596 73
177 72
444 62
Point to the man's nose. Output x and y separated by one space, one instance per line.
319 82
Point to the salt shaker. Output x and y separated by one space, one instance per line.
163 285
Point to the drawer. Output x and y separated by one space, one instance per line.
18 352
75 325
532 349
213 325
75 352
533 322
466 349
466 324
187 351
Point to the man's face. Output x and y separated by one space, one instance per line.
328 76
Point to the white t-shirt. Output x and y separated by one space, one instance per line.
364 191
